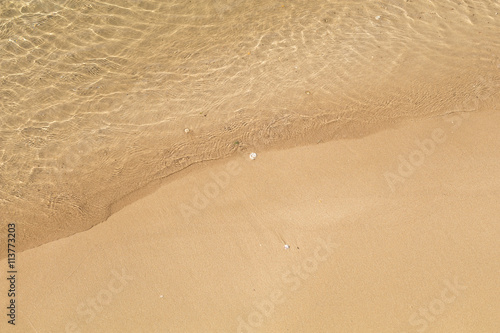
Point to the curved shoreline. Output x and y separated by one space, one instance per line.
383 253
310 138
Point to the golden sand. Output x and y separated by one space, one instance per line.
361 257
96 96
371 205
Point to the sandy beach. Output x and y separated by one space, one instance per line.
364 254
96 97
371 203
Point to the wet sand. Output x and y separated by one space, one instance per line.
366 254
372 205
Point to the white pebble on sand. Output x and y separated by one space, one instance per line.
186 130
287 246
253 156
377 17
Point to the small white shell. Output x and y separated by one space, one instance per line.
253 156
186 130
377 17
287 246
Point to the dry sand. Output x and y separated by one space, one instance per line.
361 257
95 96
372 205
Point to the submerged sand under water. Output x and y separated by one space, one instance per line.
95 96
367 253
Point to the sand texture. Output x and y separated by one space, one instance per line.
361 257
372 204
95 96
